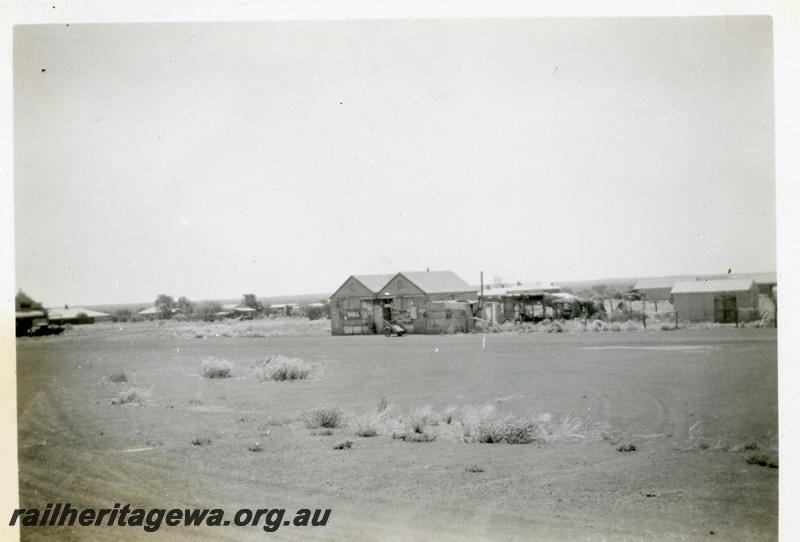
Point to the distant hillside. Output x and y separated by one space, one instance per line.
300 299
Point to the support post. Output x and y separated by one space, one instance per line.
644 306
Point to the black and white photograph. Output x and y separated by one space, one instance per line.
399 278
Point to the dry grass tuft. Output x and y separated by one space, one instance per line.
282 368
329 418
763 460
131 395
412 436
216 368
118 377
344 445
508 429
197 441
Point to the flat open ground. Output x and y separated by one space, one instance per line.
690 401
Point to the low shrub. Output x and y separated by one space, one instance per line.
329 418
628 447
197 441
118 377
255 448
283 368
130 395
510 430
344 445
474 468
383 404
630 325
216 368
413 436
763 460
599 325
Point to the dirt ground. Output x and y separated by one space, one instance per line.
695 403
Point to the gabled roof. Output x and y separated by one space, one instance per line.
654 283
712 286
533 288
373 283
437 282
73 312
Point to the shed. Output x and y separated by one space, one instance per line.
766 282
72 315
416 298
26 319
723 300
151 313
354 305
528 301
655 289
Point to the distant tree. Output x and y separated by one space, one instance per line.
497 281
25 302
185 306
251 300
165 303
83 318
314 312
121 315
207 309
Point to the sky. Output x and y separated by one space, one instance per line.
211 160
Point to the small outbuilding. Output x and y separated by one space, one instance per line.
76 315
150 313
355 307
655 289
723 301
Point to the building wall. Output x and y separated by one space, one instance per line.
352 316
448 317
652 294
699 307
352 309
420 314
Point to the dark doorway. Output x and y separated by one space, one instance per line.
725 309
387 312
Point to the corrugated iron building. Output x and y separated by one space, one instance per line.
354 306
655 289
428 302
723 300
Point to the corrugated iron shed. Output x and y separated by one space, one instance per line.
373 283
712 286
437 282
646 284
